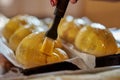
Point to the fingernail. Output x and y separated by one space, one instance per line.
74 1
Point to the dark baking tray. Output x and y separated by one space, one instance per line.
61 66
111 60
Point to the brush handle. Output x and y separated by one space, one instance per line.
61 8
59 13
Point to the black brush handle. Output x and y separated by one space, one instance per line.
59 13
50 68
61 8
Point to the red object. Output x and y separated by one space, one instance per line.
52 2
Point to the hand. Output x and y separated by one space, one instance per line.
54 2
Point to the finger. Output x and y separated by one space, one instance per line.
53 2
73 1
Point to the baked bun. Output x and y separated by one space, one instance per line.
21 33
68 29
17 22
97 41
18 35
29 55
57 56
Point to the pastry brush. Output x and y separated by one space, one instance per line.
51 35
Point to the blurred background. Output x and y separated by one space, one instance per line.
106 13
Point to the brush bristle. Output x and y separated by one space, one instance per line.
48 46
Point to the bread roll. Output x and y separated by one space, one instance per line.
21 33
29 55
68 29
17 22
96 41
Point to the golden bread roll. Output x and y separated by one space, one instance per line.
57 56
118 52
29 55
12 26
18 35
53 58
62 54
21 33
17 22
28 52
68 29
96 41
